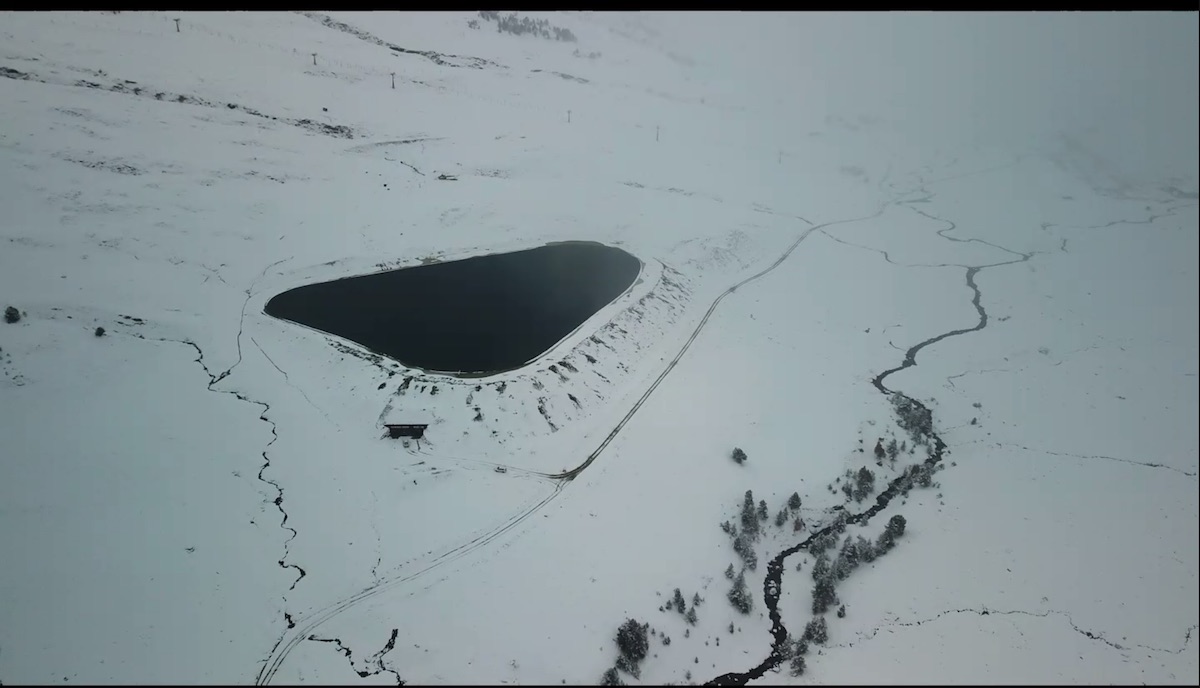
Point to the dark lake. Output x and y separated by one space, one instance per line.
479 315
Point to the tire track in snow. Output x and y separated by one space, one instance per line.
286 645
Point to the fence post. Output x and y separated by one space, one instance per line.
568 116
176 26
656 133
314 59
393 80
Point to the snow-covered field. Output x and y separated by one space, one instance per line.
204 494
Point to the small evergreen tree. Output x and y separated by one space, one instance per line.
820 569
12 315
739 596
794 501
865 481
739 456
749 518
691 616
866 549
677 600
629 666
729 572
817 631
823 596
611 678
696 600
781 518
762 510
885 543
841 612
797 665
896 525
849 553
892 449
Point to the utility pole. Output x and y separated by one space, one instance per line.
176 26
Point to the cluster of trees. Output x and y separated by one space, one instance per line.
913 418
860 485
633 643
827 572
677 603
518 25
751 519
740 596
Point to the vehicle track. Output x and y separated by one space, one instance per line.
304 628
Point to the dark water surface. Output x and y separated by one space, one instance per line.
478 315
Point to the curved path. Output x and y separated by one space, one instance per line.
306 625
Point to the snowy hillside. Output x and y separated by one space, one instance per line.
845 237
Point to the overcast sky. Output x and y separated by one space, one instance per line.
1124 83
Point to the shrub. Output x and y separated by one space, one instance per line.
841 612
729 572
11 315
739 456
99 331
611 678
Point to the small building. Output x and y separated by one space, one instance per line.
413 430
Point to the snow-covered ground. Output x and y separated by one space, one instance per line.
204 494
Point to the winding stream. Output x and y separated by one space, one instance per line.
772 585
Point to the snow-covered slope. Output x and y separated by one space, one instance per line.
203 493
